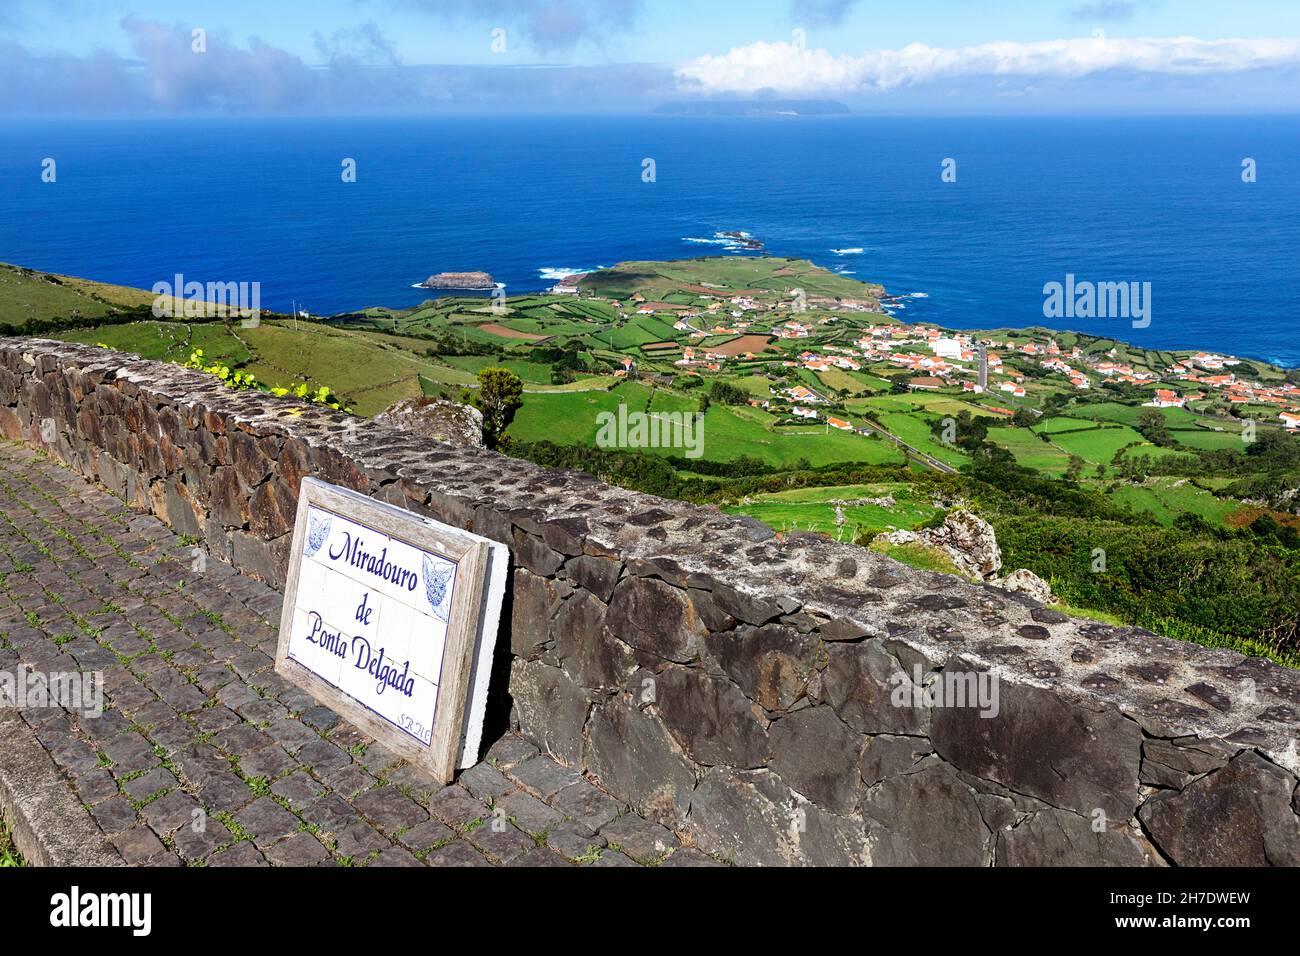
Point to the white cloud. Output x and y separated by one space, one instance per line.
549 25
786 68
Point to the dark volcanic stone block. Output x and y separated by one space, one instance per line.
859 684
710 718
657 618
816 754
926 817
1059 838
771 664
1240 815
631 753
1074 757
552 709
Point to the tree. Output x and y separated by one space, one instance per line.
1275 451
500 393
1151 423
970 431
727 394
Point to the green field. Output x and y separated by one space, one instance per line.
1098 445
814 509
166 341
1206 439
729 431
368 375
1063 424
1030 451
531 372
1128 414
918 556
1167 498
915 430
738 275
27 294
834 379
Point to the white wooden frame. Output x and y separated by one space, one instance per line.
468 614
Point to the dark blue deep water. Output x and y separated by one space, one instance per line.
1158 200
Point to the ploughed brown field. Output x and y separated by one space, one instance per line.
746 343
1246 516
506 333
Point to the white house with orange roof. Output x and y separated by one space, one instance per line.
1166 399
1219 380
802 393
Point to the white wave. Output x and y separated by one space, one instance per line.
710 242
421 285
734 240
556 273
919 295
855 251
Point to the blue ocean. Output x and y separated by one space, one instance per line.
1158 200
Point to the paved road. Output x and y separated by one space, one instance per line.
204 756
911 450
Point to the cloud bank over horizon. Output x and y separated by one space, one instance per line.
358 72
790 68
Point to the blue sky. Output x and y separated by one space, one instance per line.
349 56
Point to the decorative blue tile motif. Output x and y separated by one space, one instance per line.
436 576
318 530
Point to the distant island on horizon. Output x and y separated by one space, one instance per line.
753 107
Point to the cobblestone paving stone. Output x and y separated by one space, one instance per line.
205 756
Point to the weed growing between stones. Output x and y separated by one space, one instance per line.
245 380
9 855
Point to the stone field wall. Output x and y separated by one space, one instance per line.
754 692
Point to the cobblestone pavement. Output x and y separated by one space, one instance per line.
196 719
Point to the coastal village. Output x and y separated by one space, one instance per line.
724 331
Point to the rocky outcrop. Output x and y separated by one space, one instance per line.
971 544
967 539
774 699
1024 581
436 419
469 281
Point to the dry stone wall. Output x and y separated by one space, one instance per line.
775 699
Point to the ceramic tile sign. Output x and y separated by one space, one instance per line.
390 619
